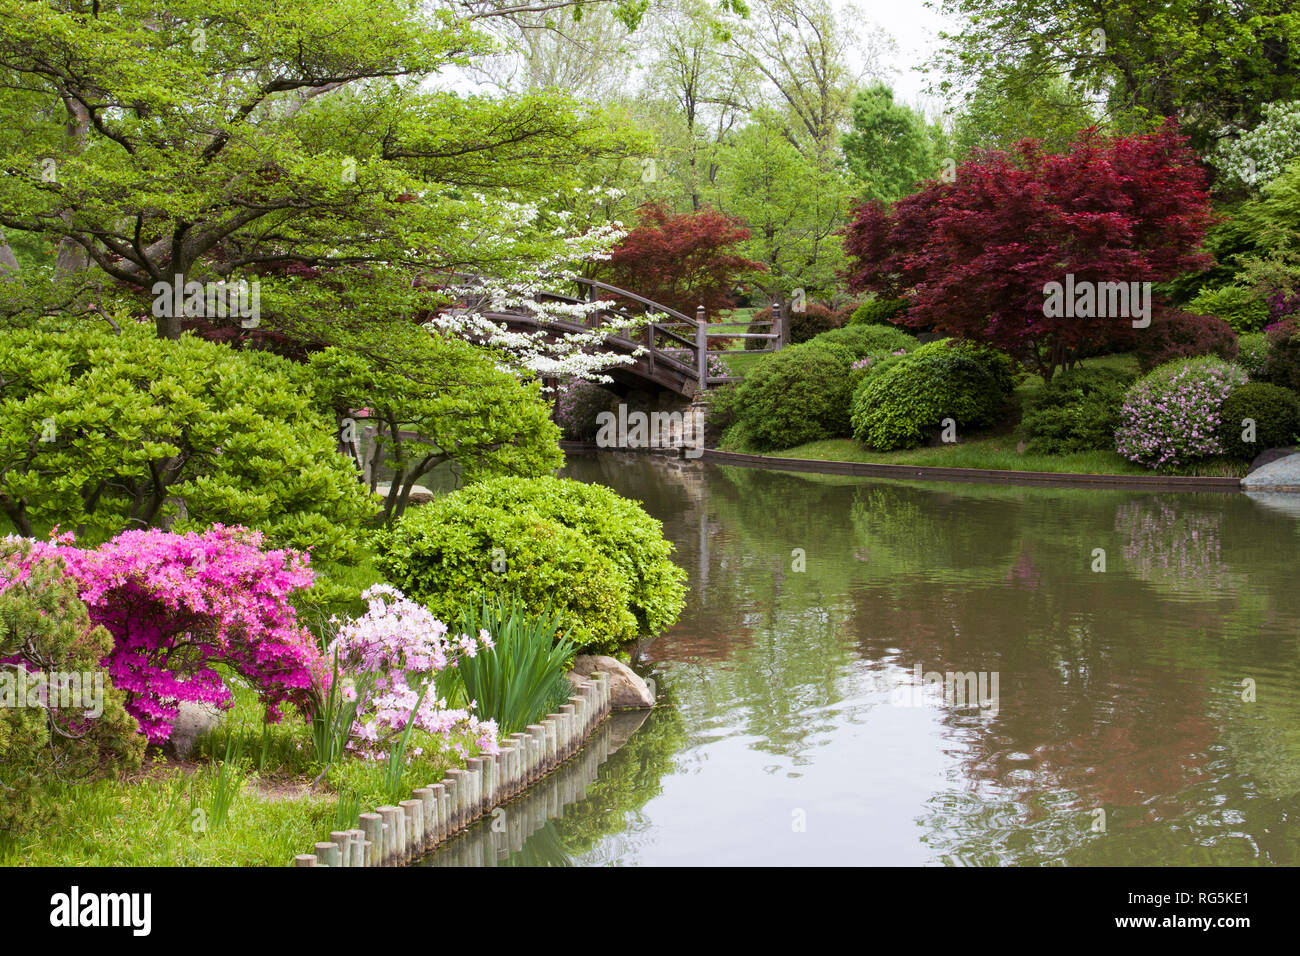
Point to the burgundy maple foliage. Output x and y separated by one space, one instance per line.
682 261
972 256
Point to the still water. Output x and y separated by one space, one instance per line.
1145 714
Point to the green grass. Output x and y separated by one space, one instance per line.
258 809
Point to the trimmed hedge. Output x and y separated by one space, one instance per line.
812 321
1274 410
1077 411
878 312
798 395
863 340
579 549
902 401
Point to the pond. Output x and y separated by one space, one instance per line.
1124 689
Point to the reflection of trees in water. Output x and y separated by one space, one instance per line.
1112 684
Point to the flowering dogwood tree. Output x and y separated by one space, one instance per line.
396 649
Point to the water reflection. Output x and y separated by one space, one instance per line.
1124 732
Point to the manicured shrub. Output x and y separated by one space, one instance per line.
798 395
878 312
1242 308
1252 354
397 649
178 604
804 325
1171 416
1077 411
1175 335
863 340
66 730
577 403
1282 361
102 432
904 401
1274 410
593 557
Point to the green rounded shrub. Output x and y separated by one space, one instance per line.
798 395
1078 410
863 340
590 555
1241 308
1274 410
1282 359
901 403
878 312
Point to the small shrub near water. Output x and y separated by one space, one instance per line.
1274 410
798 395
903 400
596 558
1078 410
1172 415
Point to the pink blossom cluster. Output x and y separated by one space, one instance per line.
395 649
1171 417
177 604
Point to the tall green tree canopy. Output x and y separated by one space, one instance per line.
1213 64
219 139
889 147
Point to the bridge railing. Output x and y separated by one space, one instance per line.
673 341
689 339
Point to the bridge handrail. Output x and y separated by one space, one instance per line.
649 303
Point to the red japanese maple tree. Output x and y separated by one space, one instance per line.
682 261
973 257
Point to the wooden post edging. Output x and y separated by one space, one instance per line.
402 834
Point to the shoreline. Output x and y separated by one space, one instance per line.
1218 485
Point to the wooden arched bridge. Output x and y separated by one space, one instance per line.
676 347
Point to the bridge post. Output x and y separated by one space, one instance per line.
779 325
702 347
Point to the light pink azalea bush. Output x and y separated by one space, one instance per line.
394 650
177 604
1171 416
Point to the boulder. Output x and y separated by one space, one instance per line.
627 691
1281 474
193 721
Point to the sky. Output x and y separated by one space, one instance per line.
915 26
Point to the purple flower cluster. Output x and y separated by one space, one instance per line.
1171 416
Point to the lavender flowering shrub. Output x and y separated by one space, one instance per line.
1171 416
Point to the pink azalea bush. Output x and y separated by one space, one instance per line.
396 648
1171 416
177 604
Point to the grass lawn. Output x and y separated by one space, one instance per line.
996 448
258 808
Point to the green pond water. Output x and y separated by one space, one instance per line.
1146 714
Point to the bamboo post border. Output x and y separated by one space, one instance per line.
401 834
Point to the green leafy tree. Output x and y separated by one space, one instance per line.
1004 109
889 147
446 401
793 206
221 139
1213 65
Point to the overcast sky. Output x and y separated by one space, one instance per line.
915 28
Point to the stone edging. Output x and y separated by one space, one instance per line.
396 836
935 473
